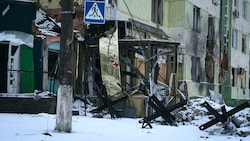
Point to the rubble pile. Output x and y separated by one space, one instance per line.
195 114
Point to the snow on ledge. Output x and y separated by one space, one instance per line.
35 96
17 38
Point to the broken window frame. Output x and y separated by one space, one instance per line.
244 9
236 3
234 77
244 46
157 12
196 19
243 79
235 38
196 72
112 2
198 77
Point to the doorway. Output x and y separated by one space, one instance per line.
4 48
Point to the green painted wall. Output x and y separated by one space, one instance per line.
27 67
176 14
226 88
226 91
188 15
180 71
204 23
140 9
165 13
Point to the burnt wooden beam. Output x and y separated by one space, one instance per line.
105 106
107 102
154 102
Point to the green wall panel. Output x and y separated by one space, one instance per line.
176 14
27 67
140 9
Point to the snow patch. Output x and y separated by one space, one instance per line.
17 38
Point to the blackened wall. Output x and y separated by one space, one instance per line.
17 15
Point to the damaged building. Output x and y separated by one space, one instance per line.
208 33
213 37
184 48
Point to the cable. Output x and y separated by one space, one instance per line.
143 53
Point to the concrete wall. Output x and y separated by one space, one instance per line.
178 24
194 44
141 9
240 59
176 14
49 4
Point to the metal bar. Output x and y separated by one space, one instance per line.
211 110
161 109
159 112
221 117
238 108
112 103
107 101
208 124
165 112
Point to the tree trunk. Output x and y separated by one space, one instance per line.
65 92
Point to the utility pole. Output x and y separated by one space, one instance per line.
65 91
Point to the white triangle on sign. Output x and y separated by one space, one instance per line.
94 13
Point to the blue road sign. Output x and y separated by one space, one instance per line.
94 12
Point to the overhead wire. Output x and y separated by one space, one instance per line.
139 43
136 28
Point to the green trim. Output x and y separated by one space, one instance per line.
226 89
228 99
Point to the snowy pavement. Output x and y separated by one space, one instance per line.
40 127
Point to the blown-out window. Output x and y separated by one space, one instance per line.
234 76
244 46
112 2
196 19
243 79
244 9
235 36
157 11
236 3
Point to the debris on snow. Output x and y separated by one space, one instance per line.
195 114
216 97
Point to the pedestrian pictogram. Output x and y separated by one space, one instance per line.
94 12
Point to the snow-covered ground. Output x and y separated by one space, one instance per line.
40 127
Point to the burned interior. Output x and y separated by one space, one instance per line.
144 67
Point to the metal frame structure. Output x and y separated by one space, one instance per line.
151 50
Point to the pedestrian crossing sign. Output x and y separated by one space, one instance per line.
94 12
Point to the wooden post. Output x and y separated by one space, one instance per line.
65 92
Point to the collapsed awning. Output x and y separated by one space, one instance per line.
157 32
46 25
17 15
146 42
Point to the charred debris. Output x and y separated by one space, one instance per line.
171 108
